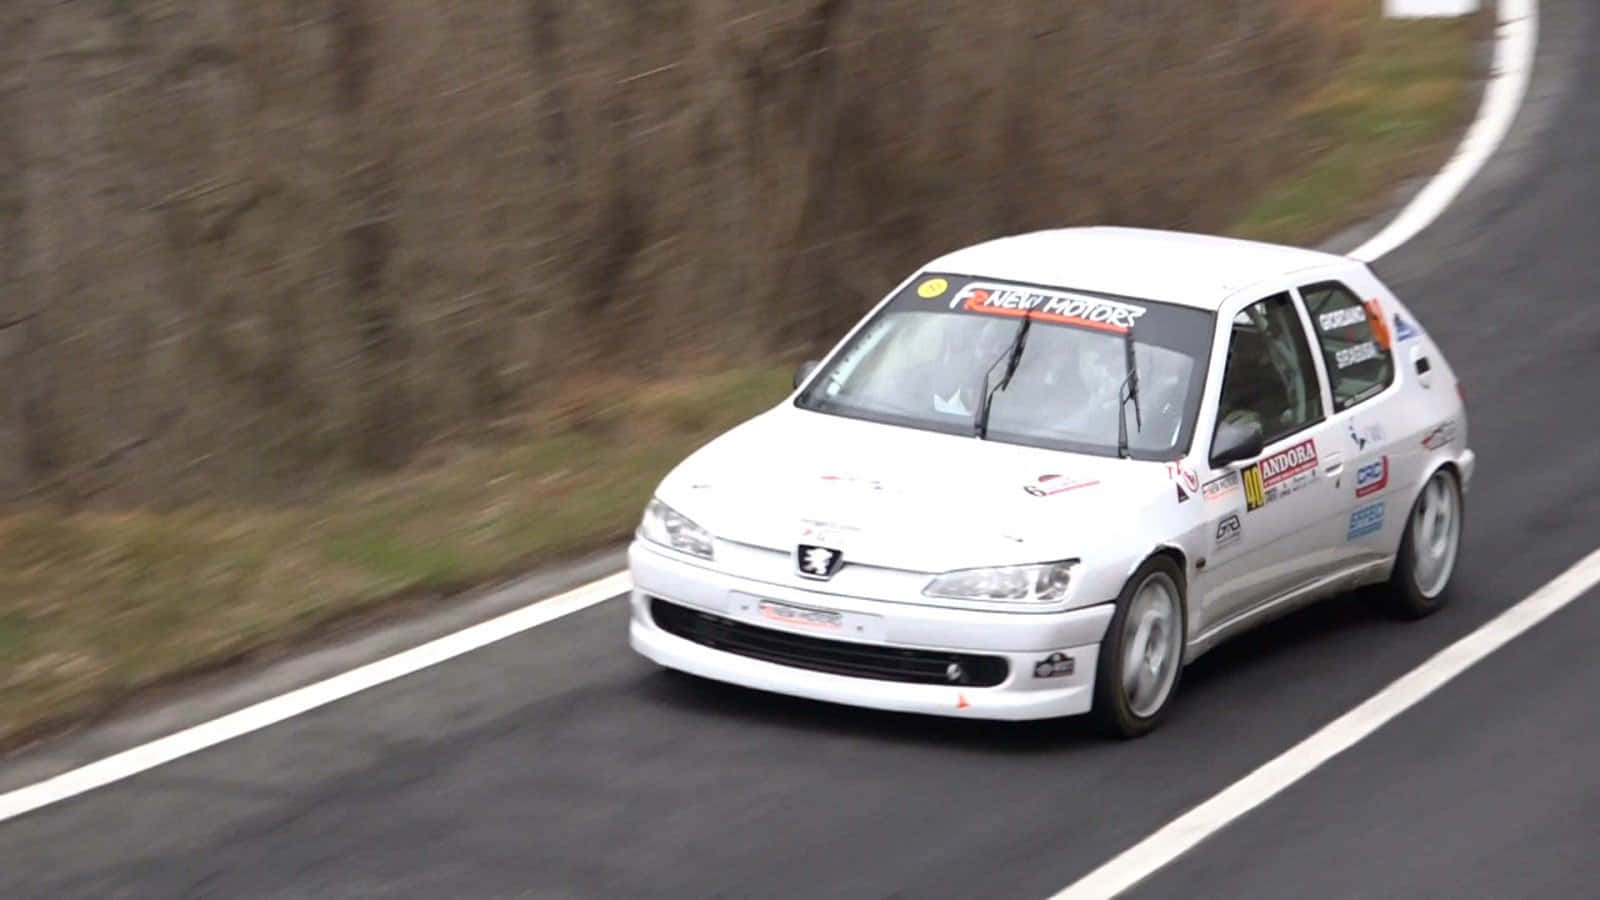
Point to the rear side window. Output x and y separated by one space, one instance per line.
1354 341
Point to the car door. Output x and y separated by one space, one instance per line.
1274 517
1353 341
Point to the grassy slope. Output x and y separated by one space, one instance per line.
95 605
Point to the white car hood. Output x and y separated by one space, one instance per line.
910 499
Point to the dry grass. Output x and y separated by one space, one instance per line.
96 604
1393 113
498 461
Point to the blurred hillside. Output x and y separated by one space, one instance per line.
246 242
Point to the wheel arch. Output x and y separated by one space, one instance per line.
1172 551
1434 467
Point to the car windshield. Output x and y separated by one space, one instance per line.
921 362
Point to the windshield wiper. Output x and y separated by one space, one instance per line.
1130 391
980 426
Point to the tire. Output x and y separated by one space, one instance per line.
1420 583
1115 712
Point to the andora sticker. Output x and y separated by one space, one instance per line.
1404 330
1279 469
1372 477
1289 462
932 288
1364 521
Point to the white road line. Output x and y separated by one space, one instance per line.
1510 72
1189 829
1512 69
285 706
1498 109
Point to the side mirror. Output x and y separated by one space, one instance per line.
1235 441
804 371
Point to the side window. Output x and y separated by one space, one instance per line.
1355 342
1270 377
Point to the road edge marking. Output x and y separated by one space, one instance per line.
1181 834
1510 73
285 706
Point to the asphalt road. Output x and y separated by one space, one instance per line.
558 764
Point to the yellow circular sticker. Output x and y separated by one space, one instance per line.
932 288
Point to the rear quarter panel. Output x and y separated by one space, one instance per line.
1424 423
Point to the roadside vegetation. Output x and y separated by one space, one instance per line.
477 348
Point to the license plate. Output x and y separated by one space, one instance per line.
799 617
803 616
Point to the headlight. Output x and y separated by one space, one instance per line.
664 525
1042 584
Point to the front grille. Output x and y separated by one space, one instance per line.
822 655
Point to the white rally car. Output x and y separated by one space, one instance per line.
1047 471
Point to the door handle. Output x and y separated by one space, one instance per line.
1333 464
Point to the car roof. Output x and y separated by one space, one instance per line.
1196 270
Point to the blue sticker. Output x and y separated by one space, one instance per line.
1404 330
1364 521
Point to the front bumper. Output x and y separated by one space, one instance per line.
1023 640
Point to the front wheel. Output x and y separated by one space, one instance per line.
1421 579
1141 657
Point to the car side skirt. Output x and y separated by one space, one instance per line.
1327 586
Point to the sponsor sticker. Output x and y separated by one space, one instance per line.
1287 463
1229 531
1220 487
1357 354
1280 474
803 616
1187 479
1366 520
1255 496
1294 484
1342 318
1404 330
833 534
932 288
1442 435
1361 437
1372 477
1050 485
1048 306
1370 391
1054 666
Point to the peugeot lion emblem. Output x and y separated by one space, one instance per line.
818 562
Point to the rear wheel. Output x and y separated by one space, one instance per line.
1420 583
1141 657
